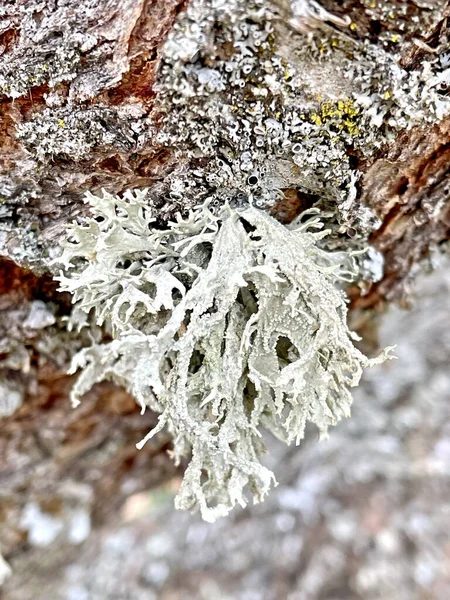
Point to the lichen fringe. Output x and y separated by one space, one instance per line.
226 324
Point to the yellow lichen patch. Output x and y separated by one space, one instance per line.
340 116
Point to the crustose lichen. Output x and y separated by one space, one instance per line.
225 324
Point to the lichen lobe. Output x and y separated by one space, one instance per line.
226 324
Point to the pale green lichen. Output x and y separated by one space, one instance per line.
225 324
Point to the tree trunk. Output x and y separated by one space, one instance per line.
82 90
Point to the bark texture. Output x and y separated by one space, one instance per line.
96 60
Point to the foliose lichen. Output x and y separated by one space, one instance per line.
246 114
226 323
75 133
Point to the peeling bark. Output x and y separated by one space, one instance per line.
409 190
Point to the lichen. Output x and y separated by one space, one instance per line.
227 323
256 116
75 133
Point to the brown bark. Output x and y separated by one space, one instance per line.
408 188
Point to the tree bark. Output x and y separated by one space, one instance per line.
93 69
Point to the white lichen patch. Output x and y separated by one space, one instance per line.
39 316
224 93
227 323
64 132
10 400
5 570
256 114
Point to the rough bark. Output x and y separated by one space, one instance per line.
104 57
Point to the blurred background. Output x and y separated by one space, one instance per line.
363 516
